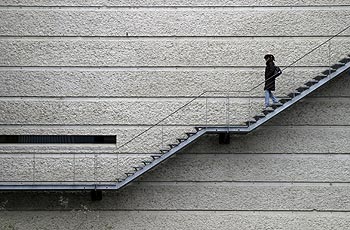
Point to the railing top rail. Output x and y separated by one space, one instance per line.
237 91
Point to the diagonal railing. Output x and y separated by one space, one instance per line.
204 93
227 95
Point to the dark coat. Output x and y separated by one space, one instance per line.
269 72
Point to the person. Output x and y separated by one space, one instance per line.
270 80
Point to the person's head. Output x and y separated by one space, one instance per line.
269 57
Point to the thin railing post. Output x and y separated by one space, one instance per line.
74 168
250 107
227 110
162 144
95 164
329 58
116 146
206 111
34 161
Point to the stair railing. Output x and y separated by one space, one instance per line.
227 96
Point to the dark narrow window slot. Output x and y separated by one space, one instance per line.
57 139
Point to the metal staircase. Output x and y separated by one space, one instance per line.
301 92
335 71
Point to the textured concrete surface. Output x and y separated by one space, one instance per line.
162 22
68 167
184 167
290 174
281 139
194 196
171 82
125 111
173 220
254 167
213 111
173 3
170 52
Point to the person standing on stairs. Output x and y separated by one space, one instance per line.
270 80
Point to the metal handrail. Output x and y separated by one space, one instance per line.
237 91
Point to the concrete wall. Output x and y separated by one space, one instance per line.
116 67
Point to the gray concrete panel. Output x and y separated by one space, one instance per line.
175 220
170 52
173 3
122 111
280 139
195 196
170 220
211 111
151 83
254 167
68 167
321 111
214 22
185 167
273 139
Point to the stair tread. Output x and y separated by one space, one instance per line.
345 60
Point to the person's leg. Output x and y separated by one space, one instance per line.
274 99
267 98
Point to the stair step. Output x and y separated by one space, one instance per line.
326 72
190 134
345 60
319 77
250 122
137 168
292 95
267 111
146 162
155 156
164 151
284 100
337 66
129 173
311 83
258 117
275 106
180 140
173 145
302 89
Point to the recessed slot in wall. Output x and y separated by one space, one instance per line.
56 139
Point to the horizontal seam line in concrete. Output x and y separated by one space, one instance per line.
166 38
148 154
167 125
324 183
165 97
156 37
137 68
252 211
311 211
331 156
305 125
259 183
173 7
243 183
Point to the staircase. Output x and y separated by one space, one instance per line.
293 97
335 71
313 84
